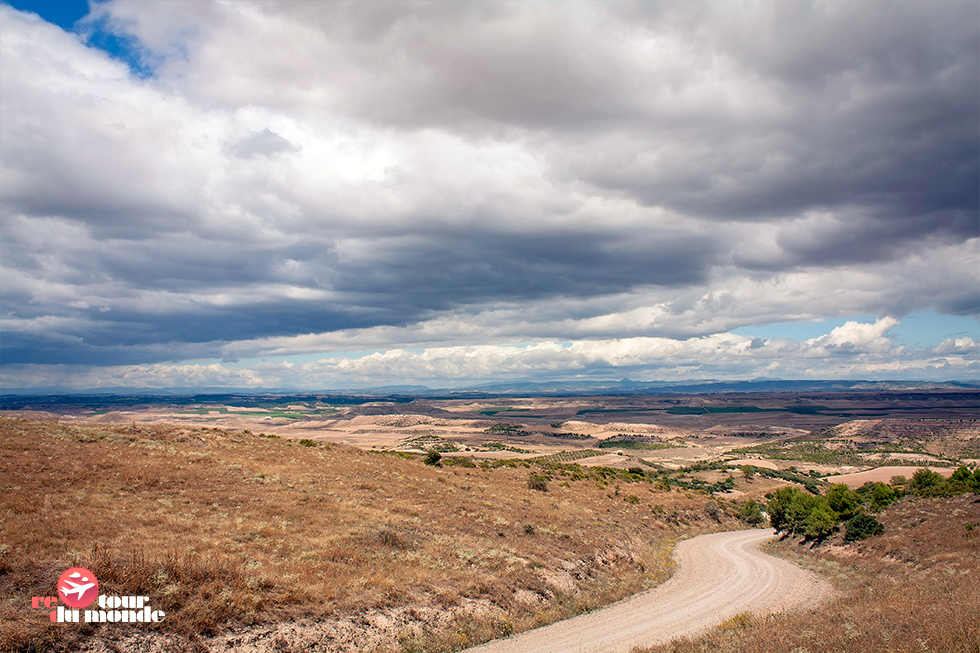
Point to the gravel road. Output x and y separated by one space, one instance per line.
717 576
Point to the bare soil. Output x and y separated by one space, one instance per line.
882 475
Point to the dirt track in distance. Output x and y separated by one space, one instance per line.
718 576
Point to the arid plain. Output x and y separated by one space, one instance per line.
858 430
433 524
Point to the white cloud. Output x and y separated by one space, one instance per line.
854 337
966 347
854 350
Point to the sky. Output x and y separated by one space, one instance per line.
306 195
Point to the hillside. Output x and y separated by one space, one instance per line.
950 438
247 539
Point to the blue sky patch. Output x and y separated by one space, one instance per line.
67 15
925 329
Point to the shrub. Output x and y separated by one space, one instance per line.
779 502
751 512
712 511
306 442
924 478
877 495
798 511
459 462
537 482
843 500
821 522
961 474
931 484
433 458
801 514
861 526
390 538
725 485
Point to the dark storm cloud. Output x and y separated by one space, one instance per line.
651 169
394 281
438 271
121 337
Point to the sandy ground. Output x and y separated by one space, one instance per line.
718 576
756 462
882 475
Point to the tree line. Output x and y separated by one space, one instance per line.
815 517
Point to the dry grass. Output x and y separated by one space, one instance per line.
223 530
913 588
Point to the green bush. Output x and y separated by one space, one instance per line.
801 514
861 526
931 484
877 495
751 512
924 479
306 442
779 502
843 500
433 458
821 522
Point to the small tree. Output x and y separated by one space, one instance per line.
843 500
778 507
798 512
821 521
882 495
960 482
433 458
924 479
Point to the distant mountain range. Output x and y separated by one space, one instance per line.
629 387
404 393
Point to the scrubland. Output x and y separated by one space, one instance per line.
234 534
252 542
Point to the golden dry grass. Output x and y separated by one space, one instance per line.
223 530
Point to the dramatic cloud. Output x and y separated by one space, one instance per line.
456 192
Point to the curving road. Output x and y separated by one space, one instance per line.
718 576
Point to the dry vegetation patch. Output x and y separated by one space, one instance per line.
244 538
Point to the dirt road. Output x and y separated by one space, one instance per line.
718 576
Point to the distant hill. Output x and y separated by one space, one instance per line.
404 393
